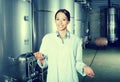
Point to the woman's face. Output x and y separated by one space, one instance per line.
61 21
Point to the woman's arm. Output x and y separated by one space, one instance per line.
42 62
80 66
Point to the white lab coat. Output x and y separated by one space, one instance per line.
63 58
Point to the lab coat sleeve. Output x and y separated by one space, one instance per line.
79 61
44 50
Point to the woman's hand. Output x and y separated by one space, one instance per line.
39 56
88 71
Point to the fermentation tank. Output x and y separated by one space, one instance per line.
15 32
80 20
17 36
112 24
43 20
70 7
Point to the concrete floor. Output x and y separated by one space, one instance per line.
105 63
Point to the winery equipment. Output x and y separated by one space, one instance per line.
22 69
112 24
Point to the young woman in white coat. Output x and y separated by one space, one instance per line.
61 52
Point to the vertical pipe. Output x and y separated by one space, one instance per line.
1 42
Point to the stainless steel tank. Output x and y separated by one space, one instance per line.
16 35
79 26
112 24
17 27
44 22
70 7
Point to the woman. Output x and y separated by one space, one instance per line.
62 52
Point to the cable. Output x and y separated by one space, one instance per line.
93 57
91 63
